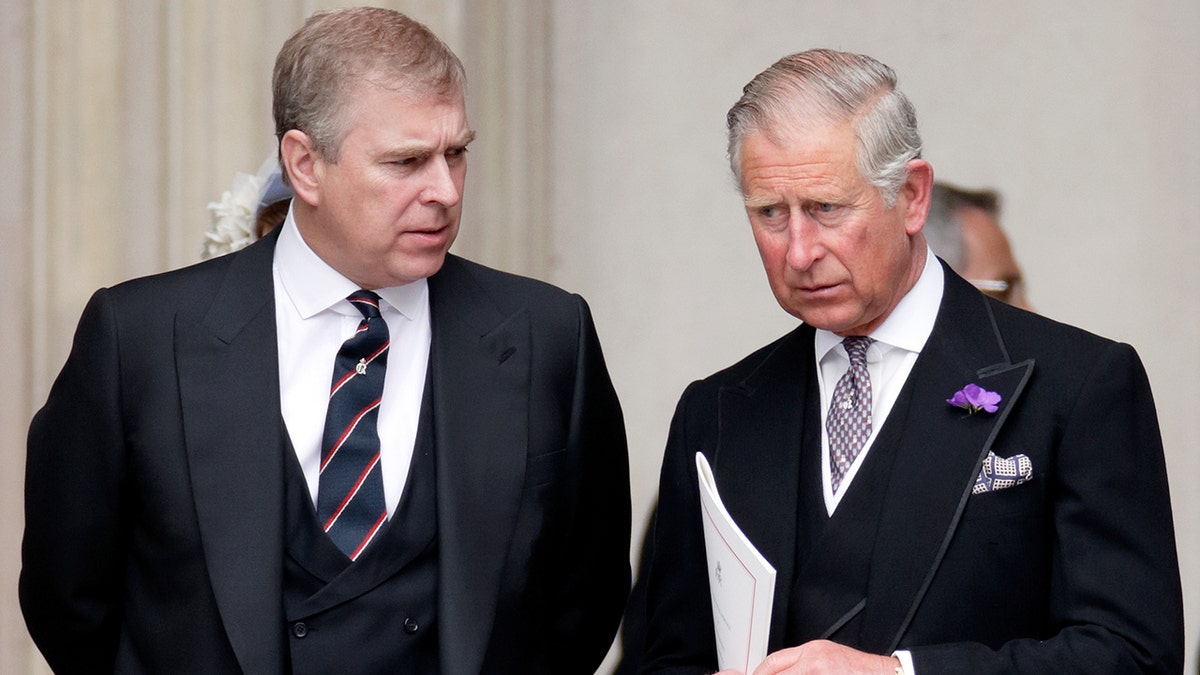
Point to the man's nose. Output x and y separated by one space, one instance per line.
804 242
440 186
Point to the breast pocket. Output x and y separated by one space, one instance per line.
544 469
1015 500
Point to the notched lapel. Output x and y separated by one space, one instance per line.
229 389
480 364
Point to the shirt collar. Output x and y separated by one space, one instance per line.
313 286
911 321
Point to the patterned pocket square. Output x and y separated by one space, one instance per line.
999 473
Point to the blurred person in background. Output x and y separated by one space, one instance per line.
963 228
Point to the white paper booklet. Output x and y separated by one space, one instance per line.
740 578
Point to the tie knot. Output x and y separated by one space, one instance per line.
856 347
366 302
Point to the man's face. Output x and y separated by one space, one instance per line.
988 257
388 210
836 257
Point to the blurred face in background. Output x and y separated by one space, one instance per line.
988 260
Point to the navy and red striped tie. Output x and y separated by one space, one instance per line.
350 501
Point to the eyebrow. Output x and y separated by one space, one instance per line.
416 148
753 202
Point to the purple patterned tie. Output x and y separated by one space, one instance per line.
849 421
350 499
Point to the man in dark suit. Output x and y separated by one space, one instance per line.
179 474
944 483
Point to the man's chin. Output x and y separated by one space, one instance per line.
423 266
405 270
840 322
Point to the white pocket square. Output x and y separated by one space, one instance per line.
999 473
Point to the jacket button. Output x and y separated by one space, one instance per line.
410 625
299 629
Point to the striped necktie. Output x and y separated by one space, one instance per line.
350 501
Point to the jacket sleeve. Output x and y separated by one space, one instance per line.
594 582
76 533
679 629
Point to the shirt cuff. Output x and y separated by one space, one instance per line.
906 662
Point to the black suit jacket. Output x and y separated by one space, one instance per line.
154 490
1072 572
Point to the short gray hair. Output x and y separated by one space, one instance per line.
320 62
834 86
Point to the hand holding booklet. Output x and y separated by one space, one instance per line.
740 579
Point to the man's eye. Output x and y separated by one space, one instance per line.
770 211
825 207
456 152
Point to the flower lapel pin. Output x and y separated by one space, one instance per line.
974 398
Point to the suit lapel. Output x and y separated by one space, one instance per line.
939 454
480 370
229 389
757 458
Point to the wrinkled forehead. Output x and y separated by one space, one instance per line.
806 139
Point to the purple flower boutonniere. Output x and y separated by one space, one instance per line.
974 398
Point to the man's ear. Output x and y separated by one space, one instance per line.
916 193
303 164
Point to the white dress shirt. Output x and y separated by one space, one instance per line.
312 320
898 342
